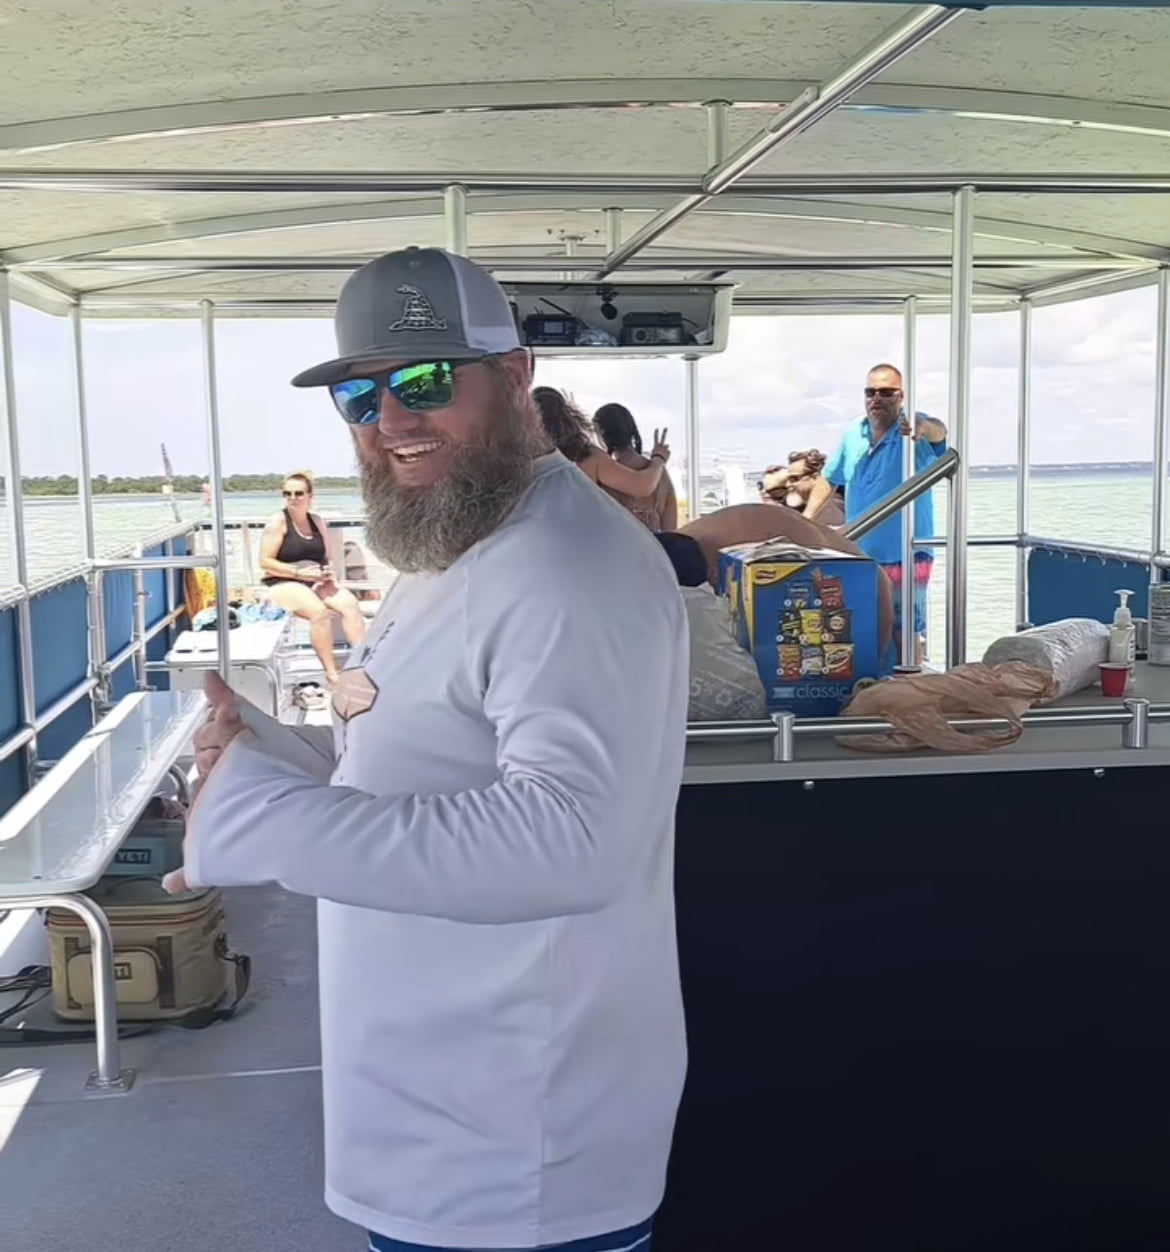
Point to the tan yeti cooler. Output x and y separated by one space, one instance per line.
171 955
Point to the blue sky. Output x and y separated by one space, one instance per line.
784 383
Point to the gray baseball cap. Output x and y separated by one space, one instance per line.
421 304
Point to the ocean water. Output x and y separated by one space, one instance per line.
1109 508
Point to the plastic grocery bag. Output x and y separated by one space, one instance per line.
918 707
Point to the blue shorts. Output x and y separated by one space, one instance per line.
922 570
632 1239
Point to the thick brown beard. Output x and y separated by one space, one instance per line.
427 529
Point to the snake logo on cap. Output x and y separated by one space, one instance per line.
417 313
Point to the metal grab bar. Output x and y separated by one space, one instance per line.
155 562
1134 716
909 491
1107 552
819 727
109 1077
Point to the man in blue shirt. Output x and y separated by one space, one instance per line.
868 464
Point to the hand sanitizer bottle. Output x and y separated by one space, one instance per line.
1122 636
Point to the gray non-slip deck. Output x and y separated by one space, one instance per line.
218 1146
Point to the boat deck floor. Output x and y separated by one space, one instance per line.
218 1146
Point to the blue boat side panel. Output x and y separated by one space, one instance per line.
1061 586
60 641
118 598
61 657
56 739
9 686
11 770
60 664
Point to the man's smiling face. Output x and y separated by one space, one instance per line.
437 481
417 447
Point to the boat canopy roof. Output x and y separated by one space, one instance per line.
153 155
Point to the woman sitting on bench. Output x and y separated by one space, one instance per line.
298 575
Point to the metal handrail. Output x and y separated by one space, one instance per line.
12 595
821 727
905 493
1109 552
702 732
13 744
143 563
1134 715
973 541
240 523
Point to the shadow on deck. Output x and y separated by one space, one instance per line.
218 1146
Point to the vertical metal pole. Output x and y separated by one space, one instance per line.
455 216
168 552
95 627
218 532
962 252
717 114
613 229
84 470
1024 463
109 1075
909 657
1161 420
572 248
784 741
140 683
692 438
103 693
15 494
1136 732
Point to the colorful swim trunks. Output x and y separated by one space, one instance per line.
922 567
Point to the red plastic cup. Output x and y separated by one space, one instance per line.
1114 679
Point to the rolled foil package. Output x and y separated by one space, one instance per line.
1071 651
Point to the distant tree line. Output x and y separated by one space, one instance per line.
184 484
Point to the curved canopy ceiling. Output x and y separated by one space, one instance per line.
253 153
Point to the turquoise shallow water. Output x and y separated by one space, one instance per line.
1092 508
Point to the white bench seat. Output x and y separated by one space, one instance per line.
61 837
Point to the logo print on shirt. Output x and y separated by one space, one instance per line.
355 694
417 313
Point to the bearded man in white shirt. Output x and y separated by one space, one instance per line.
490 833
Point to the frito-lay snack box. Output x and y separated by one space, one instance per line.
809 618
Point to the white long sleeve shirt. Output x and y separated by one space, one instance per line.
502 1033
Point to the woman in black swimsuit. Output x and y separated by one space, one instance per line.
298 576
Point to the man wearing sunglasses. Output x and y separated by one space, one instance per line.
490 839
868 464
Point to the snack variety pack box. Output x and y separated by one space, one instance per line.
810 620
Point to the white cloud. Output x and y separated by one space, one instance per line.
784 382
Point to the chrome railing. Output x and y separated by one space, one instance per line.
905 494
1134 715
97 685
100 668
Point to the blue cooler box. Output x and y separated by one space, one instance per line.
810 620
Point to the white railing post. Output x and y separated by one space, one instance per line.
215 478
455 218
14 489
909 657
962 250
694 486
1161 421
1024 464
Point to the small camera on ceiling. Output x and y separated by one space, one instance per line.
608 296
